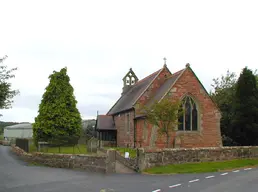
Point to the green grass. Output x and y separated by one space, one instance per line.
1 137
36 164
80 149
121 150
202 167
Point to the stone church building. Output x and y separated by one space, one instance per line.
124 124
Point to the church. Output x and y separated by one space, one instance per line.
127 127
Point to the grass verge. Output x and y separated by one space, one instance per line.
79 149
203 167
36 164
121 150
1 137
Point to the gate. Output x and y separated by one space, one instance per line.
131 163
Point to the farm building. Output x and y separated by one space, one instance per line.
22 130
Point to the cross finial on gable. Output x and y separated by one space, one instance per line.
165 61
187 65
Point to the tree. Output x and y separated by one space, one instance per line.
164 115
256 76
58 115
88 128
6 93
223 94
245 121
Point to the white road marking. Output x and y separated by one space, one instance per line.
172 186
194 180
224 174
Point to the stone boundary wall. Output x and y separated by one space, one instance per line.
4 142
152 158
92 163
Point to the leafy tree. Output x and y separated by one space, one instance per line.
245 121
164 115
6 93
224 94
58 115
89 128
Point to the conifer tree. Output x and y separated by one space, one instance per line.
245 121
57 115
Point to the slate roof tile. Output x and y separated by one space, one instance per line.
126 100
105 122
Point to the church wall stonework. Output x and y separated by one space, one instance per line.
208 133
125 135
127 139
152 89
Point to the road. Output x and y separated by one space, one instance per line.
17 176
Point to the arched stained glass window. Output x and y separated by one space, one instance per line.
188 121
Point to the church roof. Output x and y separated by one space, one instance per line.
165 87
127 100
130 97
105 122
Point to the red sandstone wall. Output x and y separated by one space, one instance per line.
156 84
208 134
125 137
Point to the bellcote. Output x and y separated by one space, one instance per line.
129 79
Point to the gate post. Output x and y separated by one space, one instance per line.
111 161
140 159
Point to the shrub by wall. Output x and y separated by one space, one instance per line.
148 158
93 163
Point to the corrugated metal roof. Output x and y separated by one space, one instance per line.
20 126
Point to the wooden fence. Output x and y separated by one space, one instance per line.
22 143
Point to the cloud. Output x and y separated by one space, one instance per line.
100 40
17 114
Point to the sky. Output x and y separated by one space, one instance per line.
99 41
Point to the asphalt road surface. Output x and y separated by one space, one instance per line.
17 176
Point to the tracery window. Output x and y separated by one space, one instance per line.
188 121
